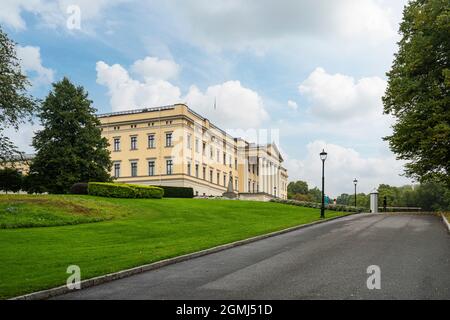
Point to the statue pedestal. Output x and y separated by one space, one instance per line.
230 195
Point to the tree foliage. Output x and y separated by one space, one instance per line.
300 187
16 105
70 148
418 92
10 180
430 196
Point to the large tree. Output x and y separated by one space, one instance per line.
70 148
16 106
418 92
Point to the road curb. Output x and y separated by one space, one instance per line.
53 292
446 222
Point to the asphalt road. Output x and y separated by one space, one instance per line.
326 261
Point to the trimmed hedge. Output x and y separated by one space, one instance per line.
79 188
315 205
177 192
122 190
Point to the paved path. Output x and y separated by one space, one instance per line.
326 261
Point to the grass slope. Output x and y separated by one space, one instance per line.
28 211
141 231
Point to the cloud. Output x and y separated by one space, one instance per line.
151 68
31 63
342 166
235 105
338 96
239 24
292 105
127 93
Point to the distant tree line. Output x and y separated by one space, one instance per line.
299 190
430 196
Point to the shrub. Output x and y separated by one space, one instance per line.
111 190
143 191
122 190
79 188
315 205
177 192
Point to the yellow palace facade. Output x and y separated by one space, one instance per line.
175 146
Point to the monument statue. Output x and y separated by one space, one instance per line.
230 194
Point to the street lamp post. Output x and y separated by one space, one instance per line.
323 157
355 182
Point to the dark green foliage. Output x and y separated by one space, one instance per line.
70 147
300 187
10 180
122 190
15 104
110 190
298 190
143 191
418 93
177 192
31 184
79 188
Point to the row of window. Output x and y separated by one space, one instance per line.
150 142
211 175
211 151
151 168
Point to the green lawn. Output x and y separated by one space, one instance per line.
133 232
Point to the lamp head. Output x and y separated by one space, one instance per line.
355 181
323 155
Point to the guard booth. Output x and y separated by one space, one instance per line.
374 201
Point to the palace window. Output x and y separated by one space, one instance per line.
116 144
151 168
211 176
204 173
168 139
218 178
133 143
134 169
224 180
196 170
189 168
151 141
188 141
116 170
197 145
169 166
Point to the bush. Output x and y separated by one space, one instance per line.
315 205
79 188
142 191
122 190
177 192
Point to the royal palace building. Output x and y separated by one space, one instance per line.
175 146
